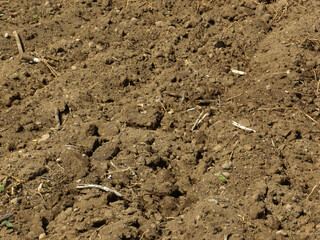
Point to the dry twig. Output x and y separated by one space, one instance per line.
6 217
183 98
58 116
308 116
5 129
103 188
318 81
231 98
315 186
196 122
10 176
21 49
242 127
49 67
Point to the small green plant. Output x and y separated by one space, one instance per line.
35 16
2 187
7 224
222 178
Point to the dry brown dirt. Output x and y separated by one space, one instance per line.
147 95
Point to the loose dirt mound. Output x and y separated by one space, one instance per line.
146 93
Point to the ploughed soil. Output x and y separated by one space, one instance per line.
143 97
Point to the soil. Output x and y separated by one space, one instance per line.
142 97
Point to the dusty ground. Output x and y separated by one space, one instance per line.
147 93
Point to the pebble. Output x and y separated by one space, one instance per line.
227 165
99 47
6 35
282 232
91 45
217 148
212 200
161 24
247 147
42 236
288 207
44 137
268 87
15 201
134 20
311 64
226 174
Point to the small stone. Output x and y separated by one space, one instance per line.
288 207
74 67
44 137
217 148
227 165
282 233
134 20
268 87
226 174
247 147
91 45
161 24
311 64
42 236
15 201
99 47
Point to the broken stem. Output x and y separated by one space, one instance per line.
196 122
21 49
104 188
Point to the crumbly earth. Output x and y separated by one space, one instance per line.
147 92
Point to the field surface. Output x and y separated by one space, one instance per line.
201 117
